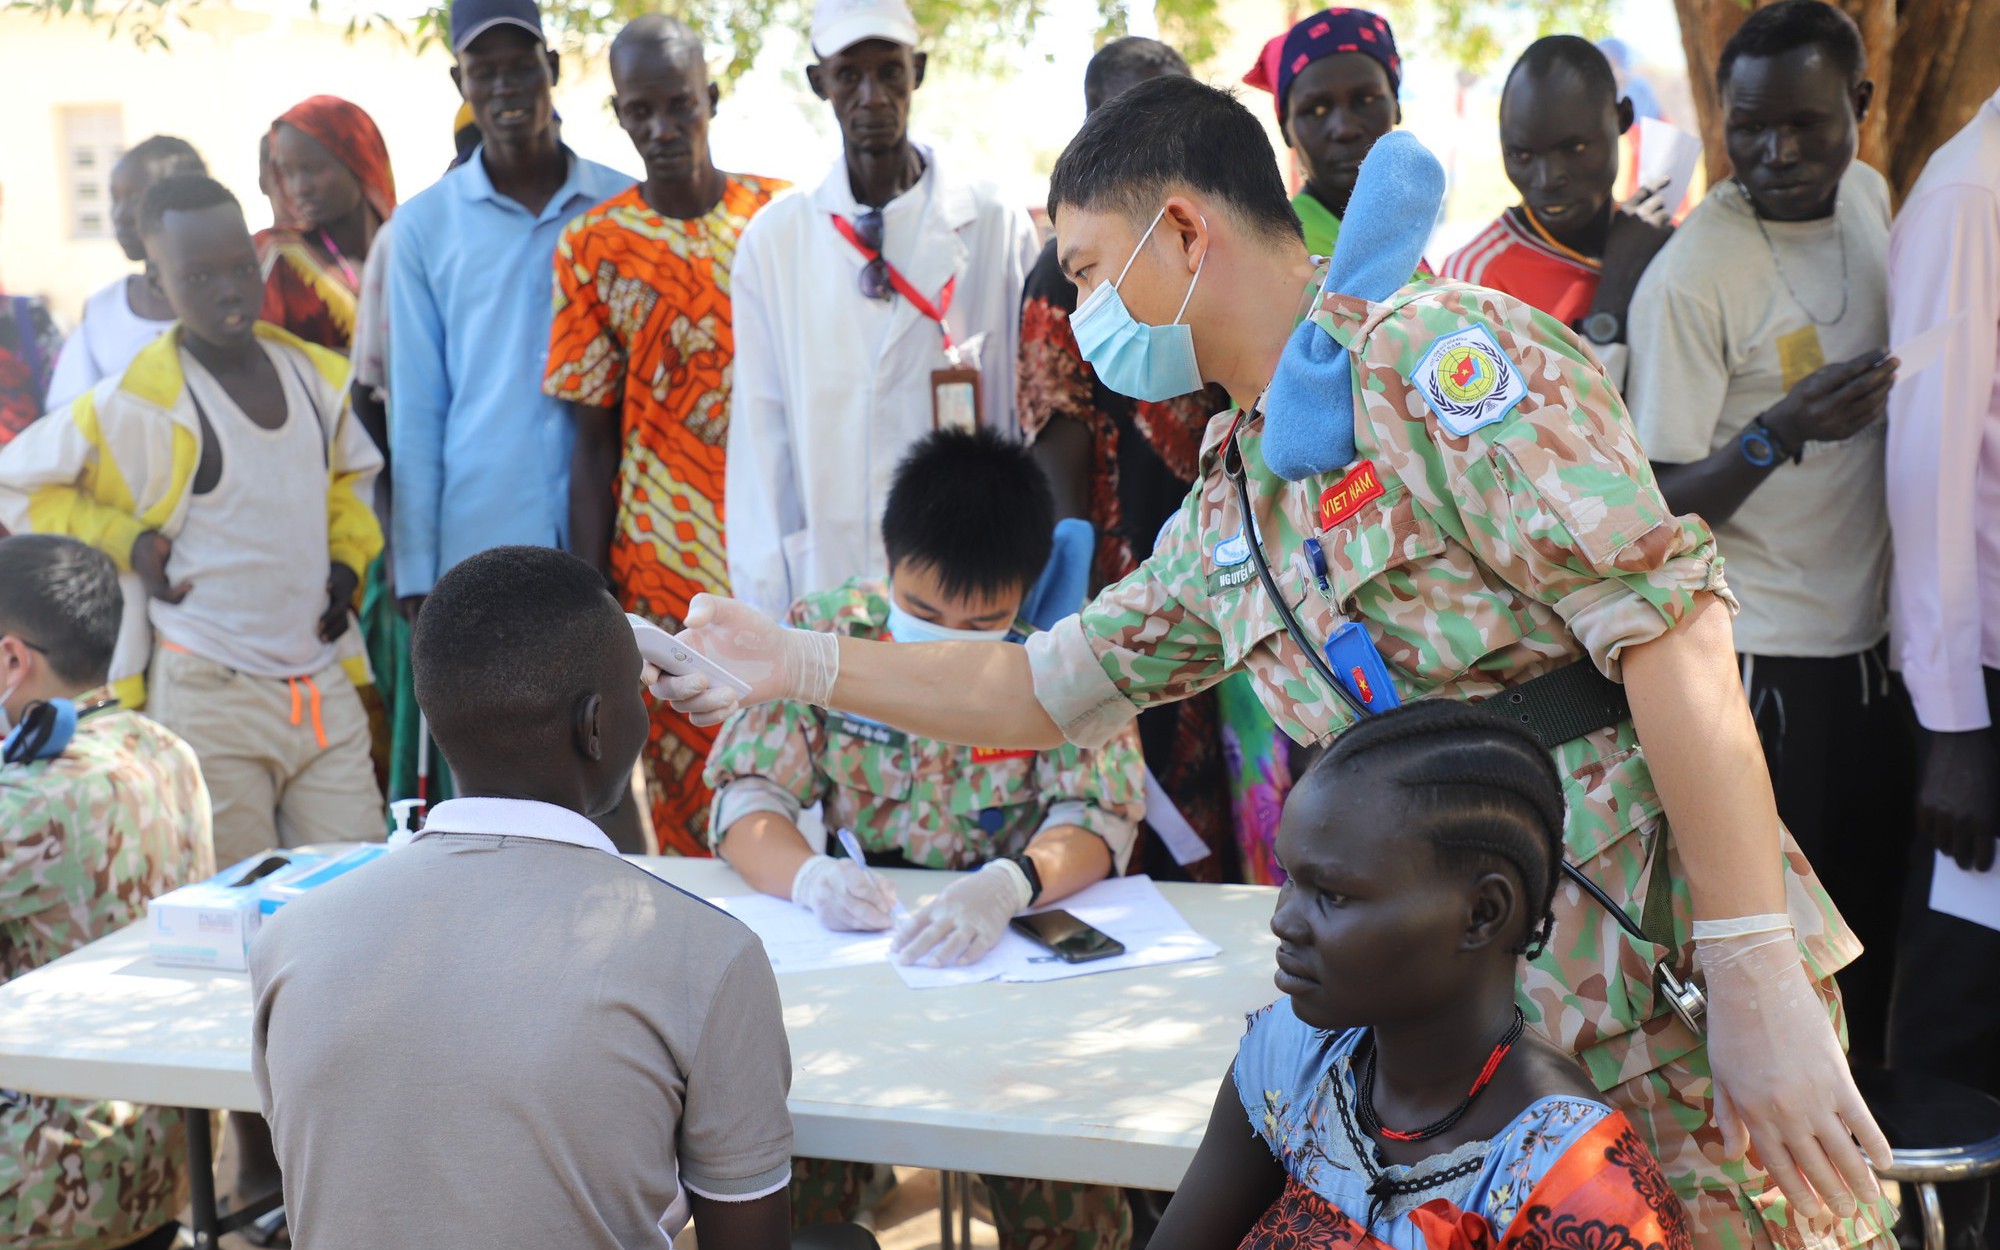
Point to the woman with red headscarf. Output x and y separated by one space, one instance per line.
333 191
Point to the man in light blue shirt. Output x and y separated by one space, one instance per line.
480 458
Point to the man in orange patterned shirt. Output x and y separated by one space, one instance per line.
640 352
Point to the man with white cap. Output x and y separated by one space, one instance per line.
881 305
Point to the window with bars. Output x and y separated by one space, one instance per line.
93 138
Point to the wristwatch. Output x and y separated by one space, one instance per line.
1761 445
1603 328
1027 867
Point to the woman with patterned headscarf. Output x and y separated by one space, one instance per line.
333 191
1336 76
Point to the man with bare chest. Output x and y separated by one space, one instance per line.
227 475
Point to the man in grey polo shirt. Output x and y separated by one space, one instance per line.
502 1034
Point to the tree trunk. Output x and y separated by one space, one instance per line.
1705 26
1957 61
1932 66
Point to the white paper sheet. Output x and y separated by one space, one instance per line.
1667 154
1973 896
1922 350
795 939
1183 843
1131 909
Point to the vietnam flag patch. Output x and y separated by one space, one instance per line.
993 755
1345 498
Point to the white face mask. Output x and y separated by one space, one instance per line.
904 627
1139 360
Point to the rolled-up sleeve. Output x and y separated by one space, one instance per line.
1562 504
1101 790
766 758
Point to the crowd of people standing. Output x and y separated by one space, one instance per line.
878 407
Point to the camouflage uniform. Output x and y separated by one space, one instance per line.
85 840
1477 561
938 806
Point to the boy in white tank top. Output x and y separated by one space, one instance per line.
245 555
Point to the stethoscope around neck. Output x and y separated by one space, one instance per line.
1685 997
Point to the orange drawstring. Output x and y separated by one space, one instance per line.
312 687
319 728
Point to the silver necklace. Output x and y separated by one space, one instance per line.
1840 232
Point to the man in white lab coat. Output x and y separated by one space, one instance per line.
849 302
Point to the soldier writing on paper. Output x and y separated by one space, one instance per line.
967 530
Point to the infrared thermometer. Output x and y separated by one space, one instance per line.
675 658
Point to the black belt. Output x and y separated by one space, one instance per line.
1562 704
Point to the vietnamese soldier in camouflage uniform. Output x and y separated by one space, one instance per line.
966 529
86 837
1494 521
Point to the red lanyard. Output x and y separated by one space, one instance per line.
900 283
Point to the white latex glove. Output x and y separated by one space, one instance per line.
1781 1082
779 663
844 895
961 924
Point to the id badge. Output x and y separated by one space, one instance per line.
954 399
1354 659
1799 355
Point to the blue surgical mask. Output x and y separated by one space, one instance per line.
1143 361
904 627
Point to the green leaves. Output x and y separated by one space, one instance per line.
980 36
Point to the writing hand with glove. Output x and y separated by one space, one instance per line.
964 921
844 895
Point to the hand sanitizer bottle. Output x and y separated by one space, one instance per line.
403 835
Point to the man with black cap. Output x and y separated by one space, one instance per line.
480 455
882 305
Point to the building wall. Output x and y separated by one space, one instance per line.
223 81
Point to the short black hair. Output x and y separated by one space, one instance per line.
1483 789
1167 133
656 30
1791 24
166 156
508 642
974 506
63 596
1574 53
1131 59
183 193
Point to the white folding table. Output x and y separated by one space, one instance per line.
1106 1079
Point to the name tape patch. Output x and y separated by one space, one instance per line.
1468 381
869 731
1347 496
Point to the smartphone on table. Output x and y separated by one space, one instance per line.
1071 940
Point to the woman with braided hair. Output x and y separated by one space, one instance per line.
1395 1101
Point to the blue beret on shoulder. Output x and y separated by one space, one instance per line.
1309 406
